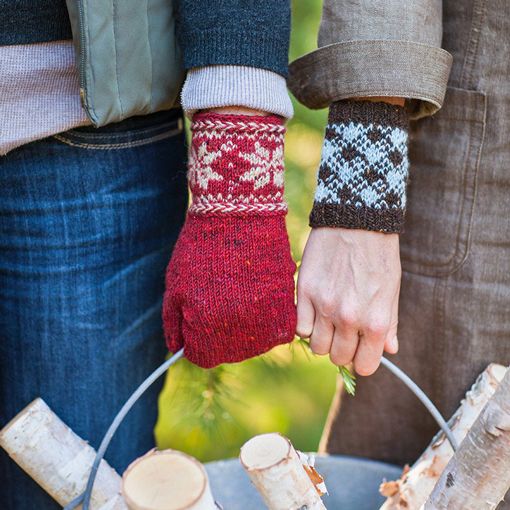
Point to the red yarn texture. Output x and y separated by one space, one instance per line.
229 285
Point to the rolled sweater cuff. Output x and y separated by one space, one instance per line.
230 85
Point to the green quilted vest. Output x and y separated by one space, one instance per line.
127 55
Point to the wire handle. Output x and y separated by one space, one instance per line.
86 495
130 402
421 395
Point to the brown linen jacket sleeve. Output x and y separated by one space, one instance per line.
376 48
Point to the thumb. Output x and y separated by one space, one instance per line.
172 323
305 316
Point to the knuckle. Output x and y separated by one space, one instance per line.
306 287
327 310
327 306
377 327
349 317
374 330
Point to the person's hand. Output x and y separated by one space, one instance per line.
230 283
348 290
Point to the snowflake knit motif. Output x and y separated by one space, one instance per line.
230 283
236 166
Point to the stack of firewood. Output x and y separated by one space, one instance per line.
477 476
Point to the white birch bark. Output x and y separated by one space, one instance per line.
414 487
282 476
167 480
477 477
57 459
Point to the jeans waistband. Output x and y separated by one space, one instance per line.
137 122
132 132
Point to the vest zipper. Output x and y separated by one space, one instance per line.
82 59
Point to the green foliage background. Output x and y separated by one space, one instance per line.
210 413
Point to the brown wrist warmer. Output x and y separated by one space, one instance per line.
364 168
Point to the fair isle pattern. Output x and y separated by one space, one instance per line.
236 164
233 243
205 206
364 168
236 126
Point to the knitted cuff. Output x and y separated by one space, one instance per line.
236 164
225 85
364 168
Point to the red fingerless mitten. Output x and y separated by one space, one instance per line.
229 285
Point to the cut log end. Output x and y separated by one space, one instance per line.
281 474
497 371
264 451
36 406
166 480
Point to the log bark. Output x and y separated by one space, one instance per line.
281 474
414 487
478 475
167 480
57 459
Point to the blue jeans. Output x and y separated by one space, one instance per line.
88 219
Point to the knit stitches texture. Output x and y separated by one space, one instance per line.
231 32
230 283
29 22
236 165
227 85
364 168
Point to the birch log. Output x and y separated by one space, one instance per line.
416 484
167 480
282 475
478 475
57 459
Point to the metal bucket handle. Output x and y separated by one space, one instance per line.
86 495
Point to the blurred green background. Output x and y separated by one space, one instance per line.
210 413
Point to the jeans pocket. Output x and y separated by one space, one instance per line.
445 155
132 132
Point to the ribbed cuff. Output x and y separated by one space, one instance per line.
228 85
364 168
261 46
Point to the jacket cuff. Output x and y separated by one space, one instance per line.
368 68
364 168
225 85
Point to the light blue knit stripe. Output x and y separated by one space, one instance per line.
351 174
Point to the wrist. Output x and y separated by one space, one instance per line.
235 110
359 238
397 101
